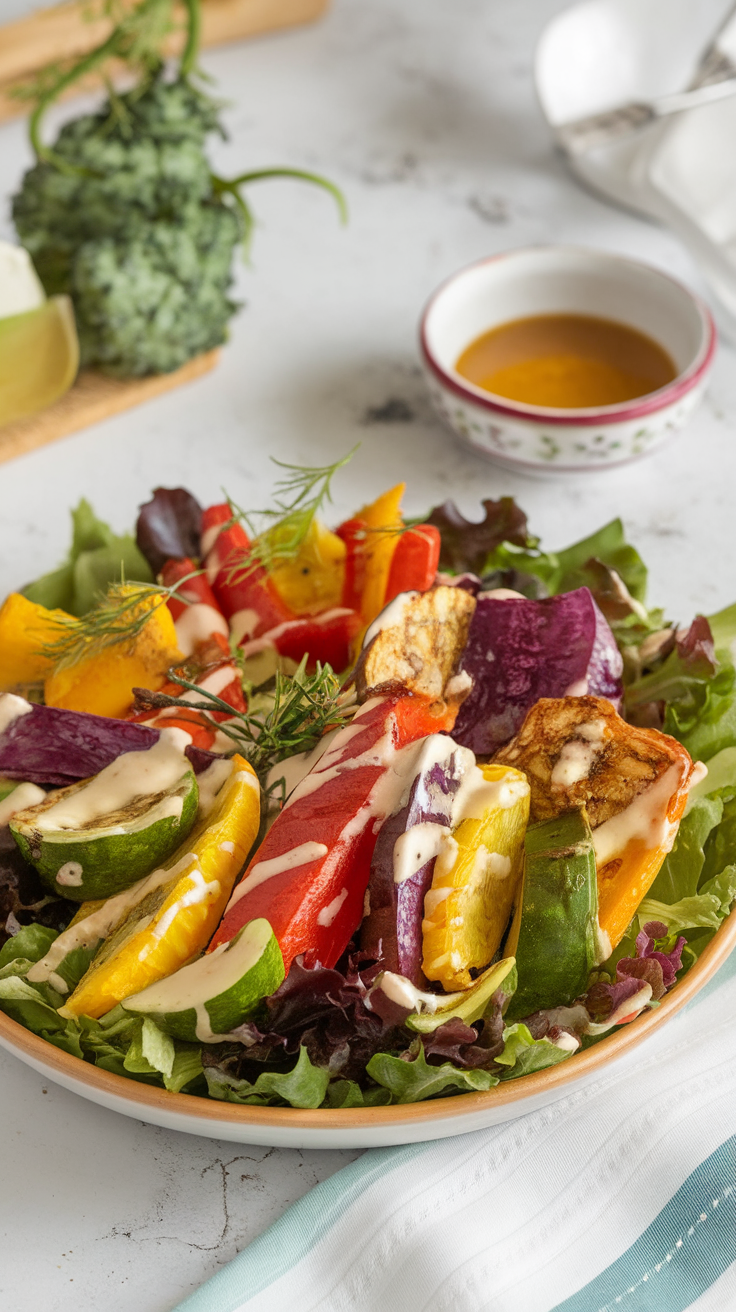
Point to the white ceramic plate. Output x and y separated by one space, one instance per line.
682 171
354 1127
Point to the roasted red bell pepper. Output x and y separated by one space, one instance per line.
194 608
414 562
309 876
326 638
353 533
245 594
195 592
214 671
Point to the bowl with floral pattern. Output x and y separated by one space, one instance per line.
553 280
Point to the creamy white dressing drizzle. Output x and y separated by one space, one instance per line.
476 794
227 847
577 689
200 890
100 924
215 683
11 709
295 768
193 986
210 783
566 1042
20 799
457 685
209 538
501 594
390 617
644 819
433 897
405 994
333 763
246 777
70 874
578 754
242 623
277 865
132 775
414 848
603 945
328 914
196 624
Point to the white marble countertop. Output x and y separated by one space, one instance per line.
424 112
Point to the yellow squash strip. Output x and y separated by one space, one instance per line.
475 881
384 520
313 581
25 629
175 922
102 683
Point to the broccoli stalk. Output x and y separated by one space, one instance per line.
124 214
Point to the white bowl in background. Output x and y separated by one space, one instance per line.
679 170
564 280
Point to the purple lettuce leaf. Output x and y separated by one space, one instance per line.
519 651
467 544
472 1047
169 527
322 1010
23 898
50 745
657 961
684 674
603 998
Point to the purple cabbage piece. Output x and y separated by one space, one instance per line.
169 527
520 650
392 930
49 745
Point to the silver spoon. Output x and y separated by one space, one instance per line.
715 79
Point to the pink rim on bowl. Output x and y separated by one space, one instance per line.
636 409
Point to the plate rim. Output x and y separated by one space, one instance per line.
184 1107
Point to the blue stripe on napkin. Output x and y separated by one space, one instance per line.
680 1255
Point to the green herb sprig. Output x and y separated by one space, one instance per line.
301 708
119 617
278 533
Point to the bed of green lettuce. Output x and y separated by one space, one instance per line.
692 894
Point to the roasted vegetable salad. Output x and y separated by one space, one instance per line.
304 816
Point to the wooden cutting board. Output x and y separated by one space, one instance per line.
53 35
94 397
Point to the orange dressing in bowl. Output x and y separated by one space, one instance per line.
566 361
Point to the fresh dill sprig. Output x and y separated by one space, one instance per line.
137 38
278 533
301 708
118 618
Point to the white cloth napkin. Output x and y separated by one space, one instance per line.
621 1197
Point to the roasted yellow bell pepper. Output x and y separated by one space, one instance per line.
102 683
176 920
313 581
475 880
25 629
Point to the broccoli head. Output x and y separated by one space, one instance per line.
133 230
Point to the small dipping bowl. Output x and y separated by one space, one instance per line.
564 280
